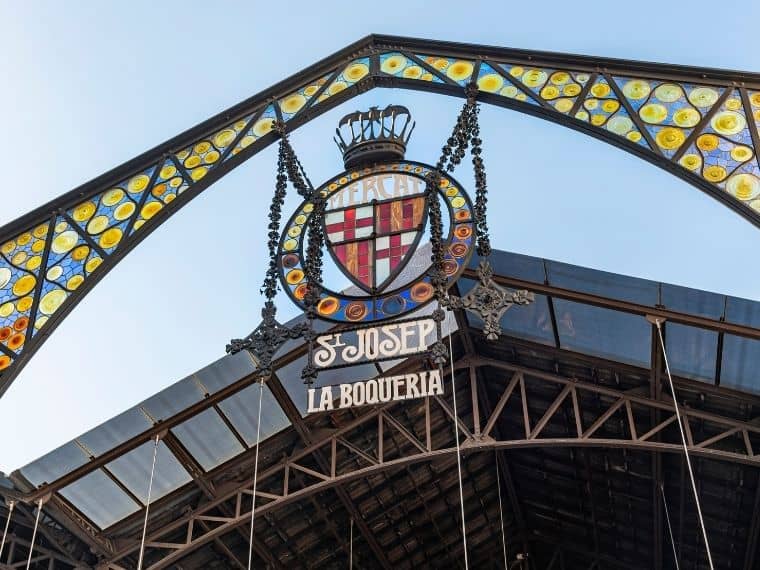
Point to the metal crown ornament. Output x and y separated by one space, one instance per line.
367 137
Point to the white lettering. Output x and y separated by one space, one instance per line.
345 395
311 409
412 388
326 399
358 393
397 384
371 391
435 386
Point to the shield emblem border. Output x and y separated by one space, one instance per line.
394 273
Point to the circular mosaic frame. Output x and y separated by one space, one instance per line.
387 304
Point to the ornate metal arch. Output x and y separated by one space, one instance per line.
699 124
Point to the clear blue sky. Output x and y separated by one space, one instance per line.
88 85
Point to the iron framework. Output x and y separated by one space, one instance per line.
676 117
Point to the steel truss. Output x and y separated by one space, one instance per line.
602 417
328 83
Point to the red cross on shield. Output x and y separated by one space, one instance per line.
372 243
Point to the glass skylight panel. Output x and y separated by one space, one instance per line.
693 301
242 409
603 332
208 439
174 399
692 352
743 312
602 283
99 499
515 265
740 364
225 371
115 431
133 470
55 464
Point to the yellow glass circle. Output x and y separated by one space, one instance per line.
636 89
427 77
559 77
38 246
110 238
74 282
176 181
198 173
356 71
451 192
600 90
491 82
653 113
550 92
413 72
33 263
170 170
290 244
440 64
311 90
620 125
169 198
24 238
534 77
150 209
755 99
459 70
571 89
741 153
6 309
668 92
80 253
582 115
24 285
19 258
516 71
112 197
211 157
193 161
598 120
509 91
393 64
457 202
263 126
64 242
670 138
83 212
98 224
703 96
521 97
300 219
294 231
728 122
610 106
95 262
138 183
5 276
60 227
25 303
293 104
40 231
707 142
125 210
337 87
40 321
691 161
591 104
294 276
714 173
247 141
139 224
182 155
563 105
222 139
54 272
308 208
51 301
733 104
8 247
686 117
202 147
744 186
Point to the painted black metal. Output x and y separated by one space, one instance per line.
368 46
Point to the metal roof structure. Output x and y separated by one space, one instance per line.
568 432
698 124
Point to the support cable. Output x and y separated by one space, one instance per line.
501 511
670 528
34 534
255 471
658 322
11 504
459 458
147 504
351 547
